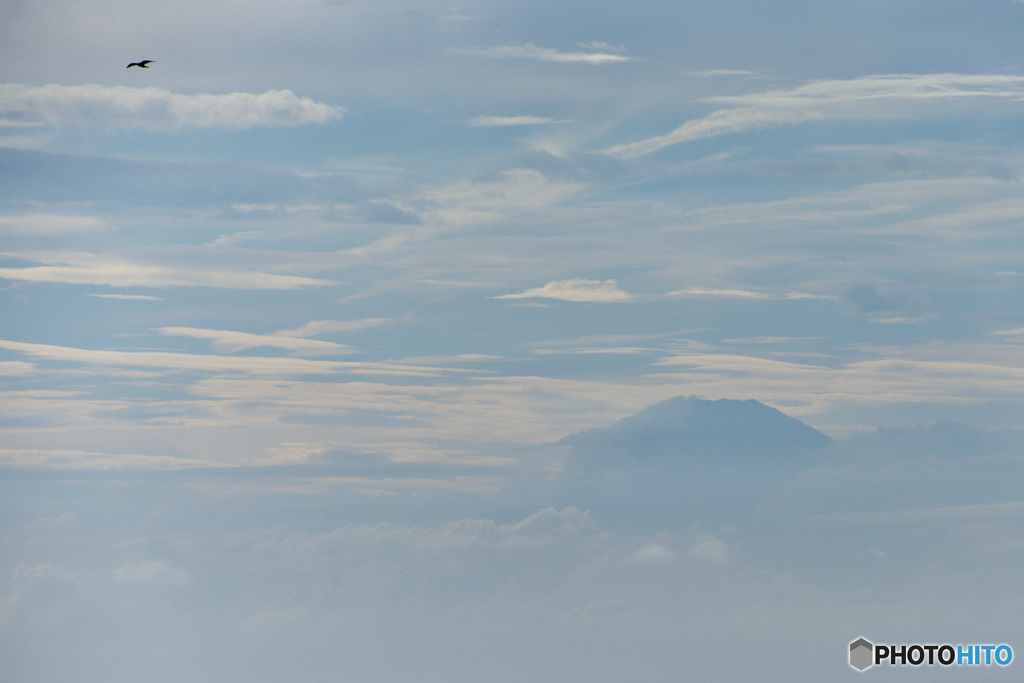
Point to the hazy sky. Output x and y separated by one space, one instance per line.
290 320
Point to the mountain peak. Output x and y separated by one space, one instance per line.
688 427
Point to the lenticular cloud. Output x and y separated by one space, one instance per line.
156 108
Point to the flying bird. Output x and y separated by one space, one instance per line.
143 64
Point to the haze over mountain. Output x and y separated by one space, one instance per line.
667 556
713 461
686 427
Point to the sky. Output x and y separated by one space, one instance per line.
315 333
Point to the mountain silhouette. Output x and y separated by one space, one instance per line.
686 428
714 461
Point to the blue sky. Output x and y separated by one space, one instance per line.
340 276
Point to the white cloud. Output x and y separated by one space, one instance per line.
932 374
545 54
68 459
594 351
11 123
14 368
48 224
711 73
100 269
230 340
887 88
714 124
740 294
20 142
159 109
318 327
886 96
256 365
289 340
710 548
653 554
127 297
507 121
725 293
593 291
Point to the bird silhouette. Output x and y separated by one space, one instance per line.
144 64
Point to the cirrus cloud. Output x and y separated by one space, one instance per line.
869 97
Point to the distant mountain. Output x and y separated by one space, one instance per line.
687 429
712 462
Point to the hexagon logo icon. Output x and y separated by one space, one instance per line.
861 654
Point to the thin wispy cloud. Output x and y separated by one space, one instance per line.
231 341
49 224
712 73
714 124
912 378
66 459
255 365
13 123
14 368
869 97
511 121
513 192
545 54
740 294
101 269
318 327
577 290
20 142
158 108
128 297
724 293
